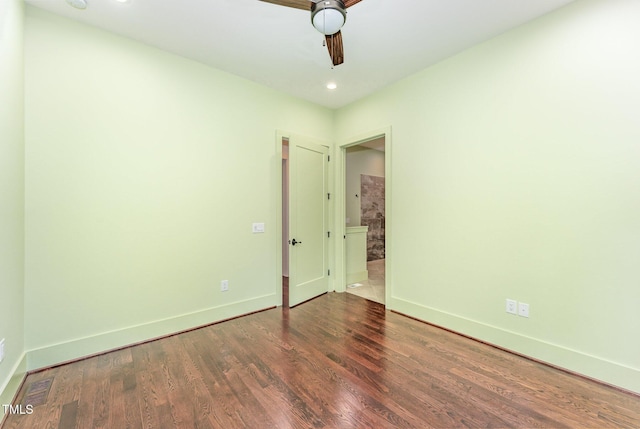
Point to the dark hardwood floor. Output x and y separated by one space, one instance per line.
338 361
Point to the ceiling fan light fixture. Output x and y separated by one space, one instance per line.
328 16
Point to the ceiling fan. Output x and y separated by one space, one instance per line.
327 16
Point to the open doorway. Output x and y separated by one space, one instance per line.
365 219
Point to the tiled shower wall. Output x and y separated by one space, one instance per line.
372 214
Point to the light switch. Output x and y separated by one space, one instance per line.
258 228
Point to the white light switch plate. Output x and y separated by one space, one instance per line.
258 228
1 350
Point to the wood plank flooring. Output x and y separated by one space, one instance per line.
338 361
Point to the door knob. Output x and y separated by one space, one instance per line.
294 242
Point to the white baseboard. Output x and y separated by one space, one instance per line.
609 372
59 353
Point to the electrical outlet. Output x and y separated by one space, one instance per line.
224 285
523 309
1 350
512 306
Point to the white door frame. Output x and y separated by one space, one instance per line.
340 212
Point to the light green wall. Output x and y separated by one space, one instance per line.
11 194
359 160
516 170
144 173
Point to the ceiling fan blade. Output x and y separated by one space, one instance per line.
349 3
334 45
297 4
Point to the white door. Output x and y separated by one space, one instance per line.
308 220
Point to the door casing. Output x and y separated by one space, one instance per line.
340 215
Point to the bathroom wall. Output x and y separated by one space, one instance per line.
372 214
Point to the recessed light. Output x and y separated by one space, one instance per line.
78 4
332 85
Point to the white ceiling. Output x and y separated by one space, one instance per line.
384 40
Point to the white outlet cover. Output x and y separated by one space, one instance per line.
257 228
512 306
523 309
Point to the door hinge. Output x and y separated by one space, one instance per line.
328 158
329 196
328 272
328 234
